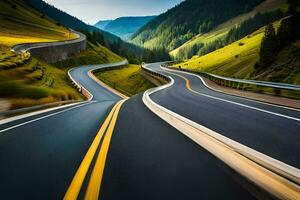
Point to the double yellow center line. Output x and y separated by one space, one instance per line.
94 184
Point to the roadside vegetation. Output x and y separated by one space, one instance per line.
34 82
127 79
94 54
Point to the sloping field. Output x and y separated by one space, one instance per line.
127 80
234 60
21 24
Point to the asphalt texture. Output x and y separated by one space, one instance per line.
273 135
39 155
149 159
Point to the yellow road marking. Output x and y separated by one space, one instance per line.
75 186
97 174
187 82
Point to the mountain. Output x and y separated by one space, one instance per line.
102 23
191 17
124 27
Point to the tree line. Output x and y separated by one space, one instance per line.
287 33
236 33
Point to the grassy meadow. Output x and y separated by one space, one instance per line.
127 79
21 24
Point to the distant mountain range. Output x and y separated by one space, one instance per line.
124 27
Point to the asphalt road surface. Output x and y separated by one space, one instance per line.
148 159
39 155
139 155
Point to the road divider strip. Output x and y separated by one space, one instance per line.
80 175
270 174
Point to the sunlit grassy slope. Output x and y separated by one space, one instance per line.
19 24
128 79
223 29
234 60
94 54
34 82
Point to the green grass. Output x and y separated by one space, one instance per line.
234 60
128 79
21 24
9 59
35 82
94 54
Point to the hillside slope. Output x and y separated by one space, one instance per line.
189 18
252 58
124 27
194 45
102 23
20 24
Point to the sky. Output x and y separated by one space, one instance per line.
91 11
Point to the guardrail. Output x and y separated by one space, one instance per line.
155 74
277 89
80 88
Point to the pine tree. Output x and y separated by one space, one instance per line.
268 46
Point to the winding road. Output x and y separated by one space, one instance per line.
109 148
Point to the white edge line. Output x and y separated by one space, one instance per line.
236 96
43 117
246 106
10 119
259 157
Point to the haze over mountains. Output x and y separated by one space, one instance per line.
124 27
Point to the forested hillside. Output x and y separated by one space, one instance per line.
124 27
232 29
184 21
